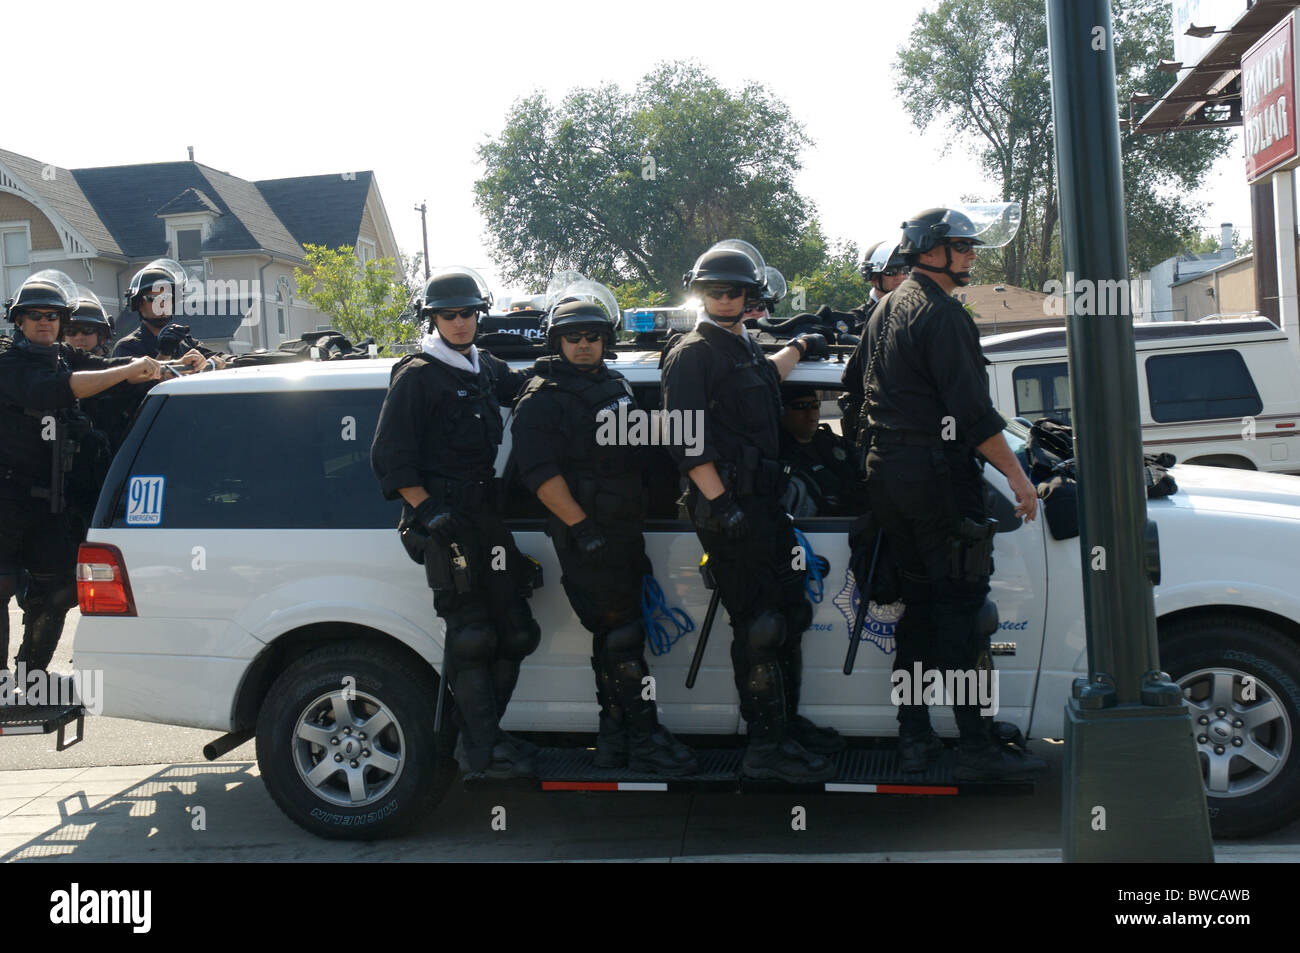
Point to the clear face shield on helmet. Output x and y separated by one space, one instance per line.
757 266
165 278
556 286
592 292
993 225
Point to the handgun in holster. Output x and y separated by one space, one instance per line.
970 554
460 575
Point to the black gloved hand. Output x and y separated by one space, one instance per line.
439 522
814 345
172 340
588 538
727 516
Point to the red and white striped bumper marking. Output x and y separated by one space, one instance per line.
840 788
604 786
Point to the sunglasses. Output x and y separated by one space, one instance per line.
591 337
451 314
804 405
961 248
81 329
41 315
756 306
895 272
731 291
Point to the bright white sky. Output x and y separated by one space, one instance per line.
264 90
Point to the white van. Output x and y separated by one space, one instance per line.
1220 393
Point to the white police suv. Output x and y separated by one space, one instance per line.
244 575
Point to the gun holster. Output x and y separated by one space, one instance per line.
970 554
530 579
414 537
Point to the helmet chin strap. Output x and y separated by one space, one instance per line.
961 277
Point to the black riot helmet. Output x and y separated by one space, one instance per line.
883 258
731 262
453 287
50 288
89 310
160 276
581 305
992 225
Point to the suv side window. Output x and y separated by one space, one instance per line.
1204 385
284 460
1043 390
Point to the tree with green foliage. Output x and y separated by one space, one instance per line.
979 68
632 187
359 300
837 283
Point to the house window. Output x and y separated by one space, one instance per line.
189 244
14 248
280 306
366 251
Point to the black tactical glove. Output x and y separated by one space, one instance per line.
440 523
727 516
814 345
172 340
588 538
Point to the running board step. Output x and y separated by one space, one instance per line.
43 720
863 771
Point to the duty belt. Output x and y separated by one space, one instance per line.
905 438
463 494
762 478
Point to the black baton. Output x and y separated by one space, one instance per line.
714 599
864 600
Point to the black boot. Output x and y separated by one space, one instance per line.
484 750
651 748
771 754
815 738
505 674
611 740
918 749
980 759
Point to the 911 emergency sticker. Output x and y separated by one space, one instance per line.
144 496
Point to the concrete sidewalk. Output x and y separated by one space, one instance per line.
221 812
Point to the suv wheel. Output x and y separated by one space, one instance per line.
1241 679
345 742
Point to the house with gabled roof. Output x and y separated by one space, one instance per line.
239 240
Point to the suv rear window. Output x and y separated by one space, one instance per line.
1043 390
285 460
1204 385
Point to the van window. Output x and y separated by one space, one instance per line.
1043 390
296 460
1203 385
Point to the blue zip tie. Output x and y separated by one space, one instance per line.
813 583
658 616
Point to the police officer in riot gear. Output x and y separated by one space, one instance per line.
90 327
928 411
774 289
592 487
824 481
156 293
435 446
41 382
884 267
734 500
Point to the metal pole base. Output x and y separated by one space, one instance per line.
1132 789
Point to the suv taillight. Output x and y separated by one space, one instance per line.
102 586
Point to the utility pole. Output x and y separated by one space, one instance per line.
422 208
1132 787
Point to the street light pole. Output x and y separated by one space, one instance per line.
1133 788
422 208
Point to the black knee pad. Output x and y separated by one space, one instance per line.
520 633
472 646
625 643
764 636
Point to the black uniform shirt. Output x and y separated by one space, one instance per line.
33 383
142 342
728 377
441 422
930 366
851 402
556 426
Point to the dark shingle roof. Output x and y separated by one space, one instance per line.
191 200
61 190
126 198
320 209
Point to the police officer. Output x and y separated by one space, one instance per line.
929 413
884 267
592 487
435 446
734 499
155 294
774 289
823 478
41 381
90 328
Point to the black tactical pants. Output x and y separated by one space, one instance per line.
45 545
769 611
605 593
490 629
919 509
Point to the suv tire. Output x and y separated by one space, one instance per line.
322 767
1250 755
